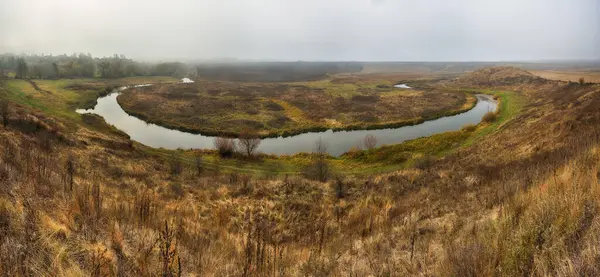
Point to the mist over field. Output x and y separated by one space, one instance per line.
310 30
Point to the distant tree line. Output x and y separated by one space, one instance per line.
84 65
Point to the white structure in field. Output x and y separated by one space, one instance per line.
402 86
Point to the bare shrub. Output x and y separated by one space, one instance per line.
424 162
176 165
248 142
581 81
321 147
370 141
199 165
70 168
319 168
340 188
225 146
469 128
5 111
489 117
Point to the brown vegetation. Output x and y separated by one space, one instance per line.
519 201
489 117
274 109
248 142
370 141
225 146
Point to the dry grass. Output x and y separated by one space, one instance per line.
569 76
520 201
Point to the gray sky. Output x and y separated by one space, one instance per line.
359 30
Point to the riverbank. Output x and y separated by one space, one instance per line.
283 110
355 162
338 142
59 104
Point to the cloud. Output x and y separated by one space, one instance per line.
306 30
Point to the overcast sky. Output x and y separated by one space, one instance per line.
357 30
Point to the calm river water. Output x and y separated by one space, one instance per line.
338 142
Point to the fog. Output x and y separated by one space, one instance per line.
310 30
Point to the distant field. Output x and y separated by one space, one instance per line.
592 76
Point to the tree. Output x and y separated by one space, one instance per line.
248 142
370 141
37 72
22 69
104 68
56 71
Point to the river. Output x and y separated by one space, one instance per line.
338 142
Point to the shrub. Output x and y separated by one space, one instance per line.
248 142
489 117
581 81
5 111
225 146
199 165
469 128
319 170
176 165
424 162
340 188
370 141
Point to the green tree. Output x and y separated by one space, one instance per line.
56 70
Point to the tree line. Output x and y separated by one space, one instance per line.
83 65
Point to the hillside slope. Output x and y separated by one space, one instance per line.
518 201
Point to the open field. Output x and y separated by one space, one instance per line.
339 103
570 76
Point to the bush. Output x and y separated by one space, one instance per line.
469 128
319 170
424 162
199 165
370 141
225 146
581 81
176 165
489 117
248 142
5 111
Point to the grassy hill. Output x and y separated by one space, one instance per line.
518 197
